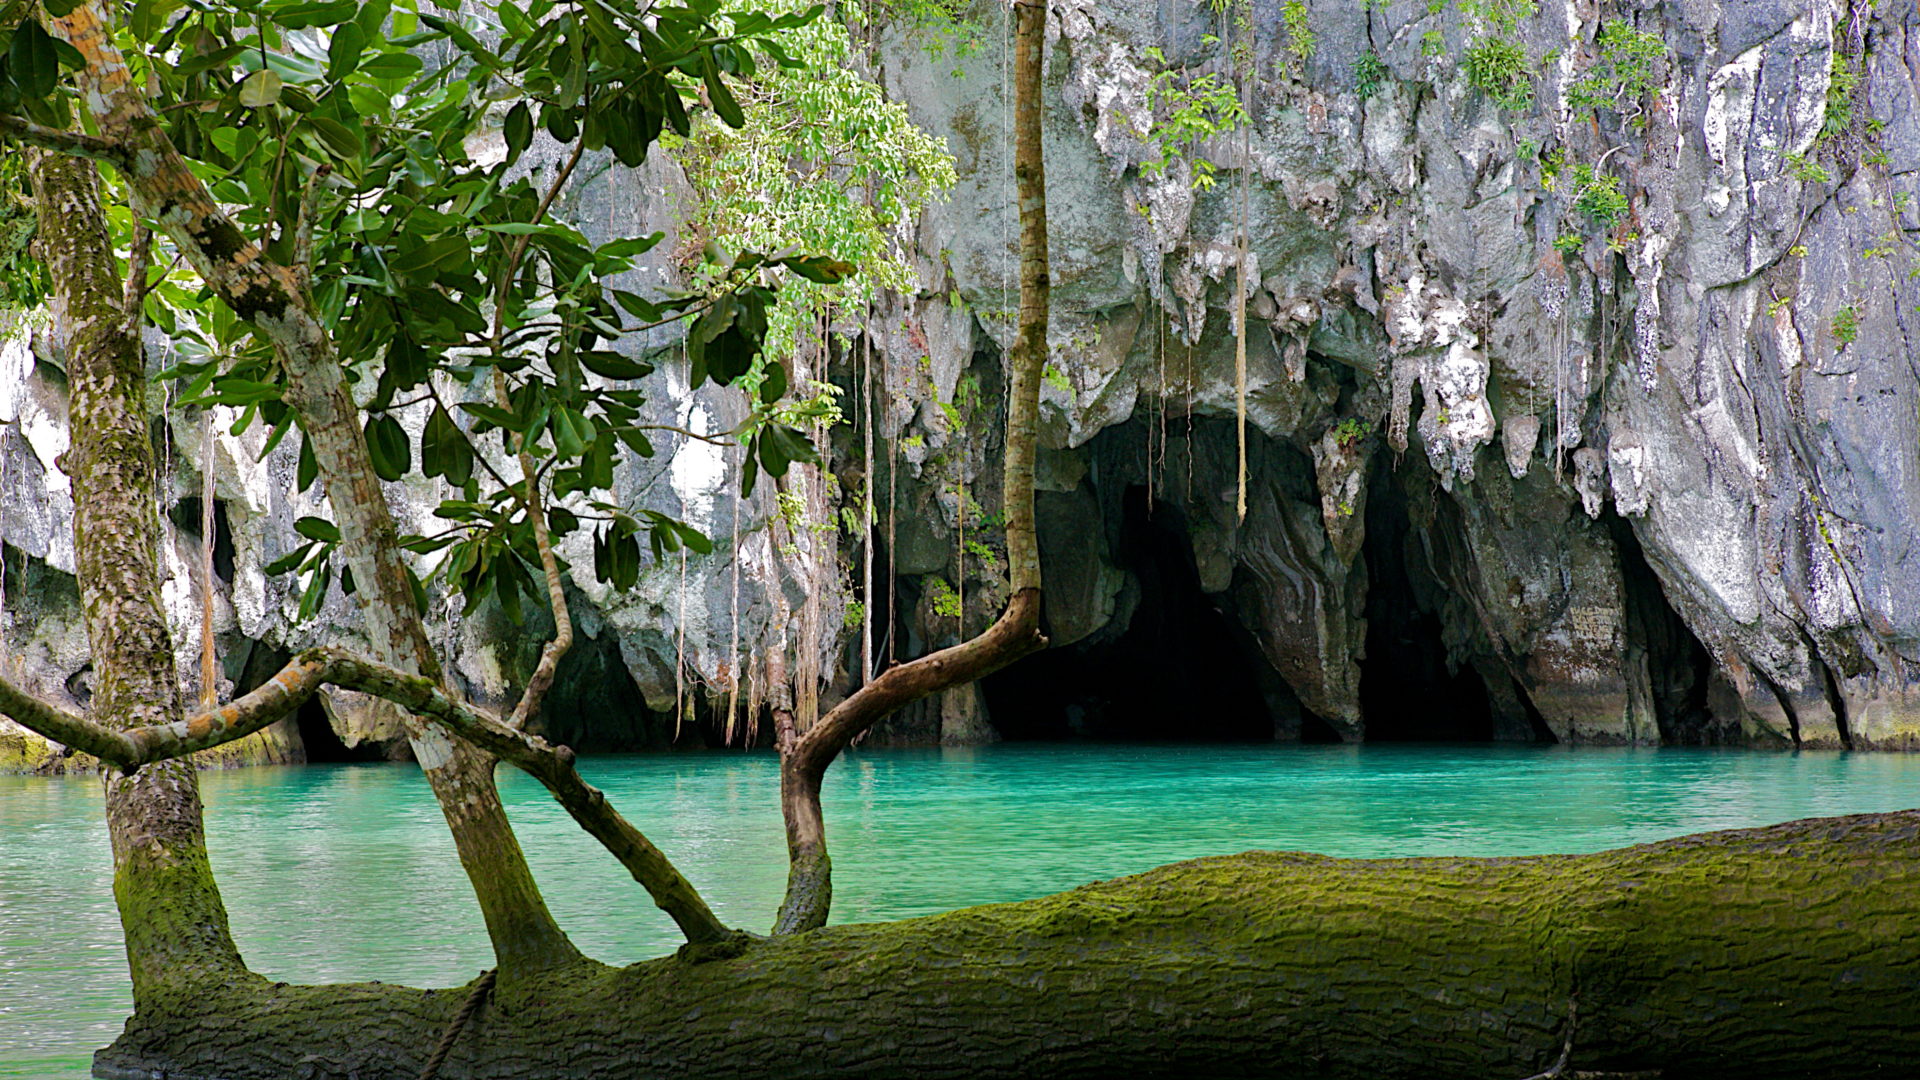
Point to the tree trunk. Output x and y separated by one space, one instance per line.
176 926
164 190
1789 951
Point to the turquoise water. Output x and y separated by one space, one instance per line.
346 873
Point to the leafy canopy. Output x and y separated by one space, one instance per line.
409 160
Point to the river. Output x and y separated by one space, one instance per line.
346 873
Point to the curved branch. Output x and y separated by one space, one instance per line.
804 759
63 727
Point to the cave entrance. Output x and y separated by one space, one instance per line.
1411 686
1179 668
1679 668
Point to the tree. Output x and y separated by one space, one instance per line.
1275 964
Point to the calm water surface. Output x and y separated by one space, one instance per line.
346 873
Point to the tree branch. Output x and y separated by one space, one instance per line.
66 142
64 727
804 759
302 678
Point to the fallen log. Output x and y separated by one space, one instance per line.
1787 951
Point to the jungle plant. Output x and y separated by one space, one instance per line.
1623 73
1188 109
1369 74
1843 81
1350 431
1846 326
1807 170
1497 66
1299 35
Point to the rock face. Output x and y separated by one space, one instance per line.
1590 419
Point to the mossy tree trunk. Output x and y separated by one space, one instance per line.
270 296
176 927
1786 952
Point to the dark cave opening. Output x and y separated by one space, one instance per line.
1679 668
1410 688
321 746
1182 669
186 517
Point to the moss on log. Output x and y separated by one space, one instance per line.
1787 951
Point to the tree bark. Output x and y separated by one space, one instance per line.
805 756
269 296
1784 952
175 924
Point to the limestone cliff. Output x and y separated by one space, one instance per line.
1580 394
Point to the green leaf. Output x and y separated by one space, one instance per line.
60 8
300 16
391 65
430 254
309 468
34 64
571 432
717 93
518 130
492 414
627 248
316 592
444 450
773 384
341 139
787 445
319 529
388 446
262 88
290 560
343 52
820 269
611 365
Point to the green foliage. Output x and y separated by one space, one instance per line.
1369 74
1187 109
946 602
23 281
435 268
1299 35
1807 170
1433 44
1569 243
1057 378
1623 73
824 163
1350 431
1845 81
1598 196
1497 66
1846 326
943 24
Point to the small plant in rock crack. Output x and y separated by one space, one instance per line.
1846 326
